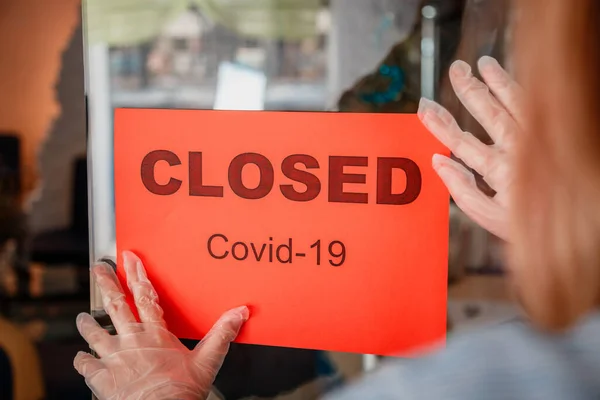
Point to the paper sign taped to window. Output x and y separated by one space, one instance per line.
332 228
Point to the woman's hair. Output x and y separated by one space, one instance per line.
555 254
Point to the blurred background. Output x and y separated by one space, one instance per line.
64 66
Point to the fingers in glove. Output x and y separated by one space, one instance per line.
210 352
145 297
463 189
472 151
113 299
482 105
87 365
505 89
97 377
96 336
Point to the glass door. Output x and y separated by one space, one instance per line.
288 55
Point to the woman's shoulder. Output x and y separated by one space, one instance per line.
511 360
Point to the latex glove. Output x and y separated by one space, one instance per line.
500 113
144 360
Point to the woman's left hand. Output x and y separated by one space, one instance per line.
144 360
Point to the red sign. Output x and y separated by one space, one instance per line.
332 228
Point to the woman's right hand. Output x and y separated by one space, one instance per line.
496 105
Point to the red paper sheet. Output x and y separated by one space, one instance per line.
368 228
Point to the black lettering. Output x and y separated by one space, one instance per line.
258 256
313 185
287 247
147 172
337 178
267 176
384 181
209 246
197 188
233 252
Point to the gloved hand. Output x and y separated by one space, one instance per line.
500 113
144 360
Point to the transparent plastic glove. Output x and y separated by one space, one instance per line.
496 106
144 360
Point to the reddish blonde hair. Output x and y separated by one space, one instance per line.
555 257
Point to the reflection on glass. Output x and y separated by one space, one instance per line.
240 88
180 66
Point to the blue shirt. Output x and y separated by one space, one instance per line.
505 362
